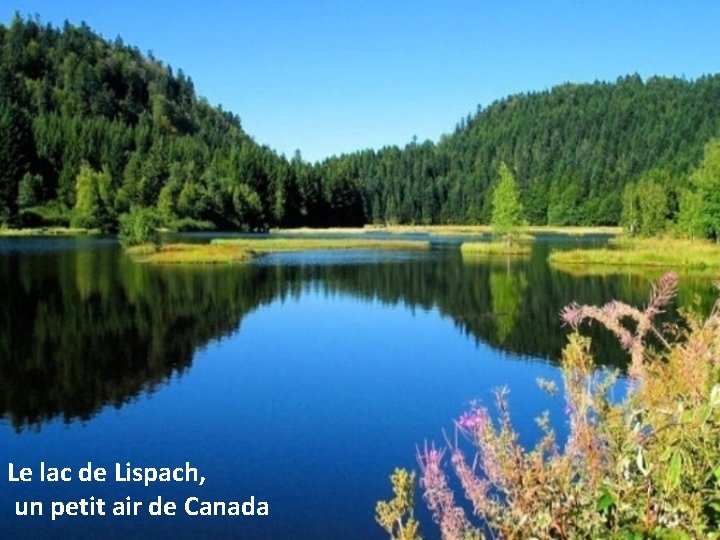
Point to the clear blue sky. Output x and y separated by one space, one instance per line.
336 76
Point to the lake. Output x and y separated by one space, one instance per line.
300 379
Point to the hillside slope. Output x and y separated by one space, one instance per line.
90 128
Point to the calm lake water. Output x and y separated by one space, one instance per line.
301 379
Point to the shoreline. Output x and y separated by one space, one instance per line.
433 230
452 229
47 231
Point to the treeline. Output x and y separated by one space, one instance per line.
90 129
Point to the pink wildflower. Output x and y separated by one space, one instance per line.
473 420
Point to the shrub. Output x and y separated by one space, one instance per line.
139 226
645 467
396 515
51 214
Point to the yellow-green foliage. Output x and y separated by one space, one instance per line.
244 249
667 252
647 466
571 230
495 248
456 230
507 210
269 245
188 254
396 515
48 231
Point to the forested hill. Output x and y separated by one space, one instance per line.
572 150
90 129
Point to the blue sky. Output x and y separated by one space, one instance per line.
329 77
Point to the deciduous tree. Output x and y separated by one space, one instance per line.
507 211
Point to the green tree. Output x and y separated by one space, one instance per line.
630 214
29 190
15 157
565 203
507 211
690 217
93 203
653 202
644 207
248 210
139 226
707 180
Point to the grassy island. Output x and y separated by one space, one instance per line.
271 245
495 248
181 253
660 252
222 251
46 231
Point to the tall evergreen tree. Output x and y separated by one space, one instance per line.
16 153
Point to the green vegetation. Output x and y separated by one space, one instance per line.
572 150
269 245
507 212
93 128
525 232
505 222
700 206
666 252
244 249
47 231
188 254
647 466
49 214
645 204
572 231
139 226
93 206
396 515
495 248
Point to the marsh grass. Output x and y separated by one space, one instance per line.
648 272
47 231
234 250
495 248
271 245
660 252
188 254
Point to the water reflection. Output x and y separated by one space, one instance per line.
84 328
